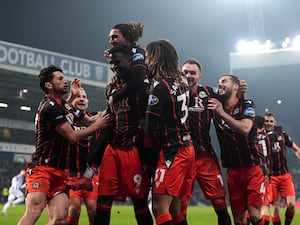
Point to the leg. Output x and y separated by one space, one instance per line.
161 206
290 209
91 206
265 214
240 219
220 207
255 215
58 209
176 211
102 215
142 212
275 213
35 203
74 211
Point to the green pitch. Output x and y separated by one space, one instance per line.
120 215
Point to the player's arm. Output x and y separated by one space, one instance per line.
296 149
72 136
242 126
243 88
134 81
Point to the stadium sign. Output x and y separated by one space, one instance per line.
29 60
16 148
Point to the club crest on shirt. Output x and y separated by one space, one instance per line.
152 100
202 94
36 185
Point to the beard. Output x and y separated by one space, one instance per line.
225 96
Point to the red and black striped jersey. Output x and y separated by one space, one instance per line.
51 147
237 150
128 113
200 117
265 146
279 141
167 114
79 152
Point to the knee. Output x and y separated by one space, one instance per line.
74 211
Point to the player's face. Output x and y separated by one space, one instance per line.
59 84
269 123
192 73
120 64
81 101
116 37
225 86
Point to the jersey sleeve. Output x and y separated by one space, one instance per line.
54 113
249 110
156 102
288 140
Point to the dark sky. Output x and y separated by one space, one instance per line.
204 29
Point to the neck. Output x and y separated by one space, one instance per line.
232 100
53 95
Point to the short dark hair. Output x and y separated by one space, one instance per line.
195 62
270 114
259 120
46 75
121 48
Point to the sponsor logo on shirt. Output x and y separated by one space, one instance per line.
137 56
249 112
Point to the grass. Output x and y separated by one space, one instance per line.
120 215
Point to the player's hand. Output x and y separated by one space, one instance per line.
215 105
107 54
297 154
243 89
103 121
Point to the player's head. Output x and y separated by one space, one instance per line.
259 120
126 33
81 101
22 172
228 86
120 59
270 121
162 60
192 69
52 79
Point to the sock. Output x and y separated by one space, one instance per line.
72 220
179 220
164 219
276 220
143 217
102 215
289 215
266 219
223 217
248 218
184 209
259 222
